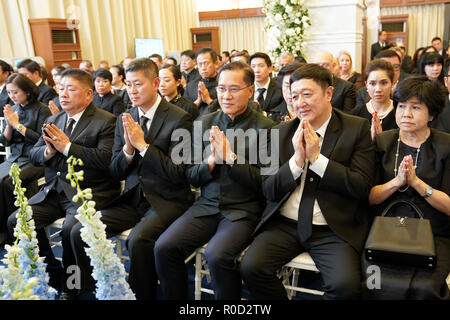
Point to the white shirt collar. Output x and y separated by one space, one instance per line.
39 83
266 85
323 128
151 112
2 86
76 117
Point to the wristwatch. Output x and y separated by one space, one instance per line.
428 192
19 127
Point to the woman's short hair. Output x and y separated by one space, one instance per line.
430 58
26 85
318 74
176 73
120 71
103 73
249 75
428 92
380 64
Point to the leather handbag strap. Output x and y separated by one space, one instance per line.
411 204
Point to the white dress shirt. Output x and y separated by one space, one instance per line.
265 86
149 115
291 206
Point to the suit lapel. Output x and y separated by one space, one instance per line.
331 135
157 121
270 91
292 127
83 122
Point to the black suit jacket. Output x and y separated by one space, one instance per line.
46 93
4 100
191 92
344 95
375 49
442 121
112 103
273 98
92 140
344 189
162 181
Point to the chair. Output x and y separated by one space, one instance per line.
289 273
7 150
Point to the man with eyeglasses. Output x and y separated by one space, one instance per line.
344 94
202 91
395 59
231 200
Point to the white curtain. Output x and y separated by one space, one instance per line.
239 34
424 23
107 27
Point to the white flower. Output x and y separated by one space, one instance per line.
278 17
290 32
283 2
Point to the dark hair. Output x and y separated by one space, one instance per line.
431 93
6 67
58 69
261 55
146 65
120 71
103 73
188 53
318 74
249 75
226 53
209 50
176 73
241 54
446 68
26 85
173 59
290 68
87 62
30 65
430 58
436 38
430 47
79 75
415 59
155 55
388 53
380 64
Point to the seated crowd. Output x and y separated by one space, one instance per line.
299 162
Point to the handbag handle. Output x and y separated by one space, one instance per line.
395 202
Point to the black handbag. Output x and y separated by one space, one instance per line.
401 240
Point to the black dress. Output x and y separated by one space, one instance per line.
387 123
433 167
32 116
187 105
109 102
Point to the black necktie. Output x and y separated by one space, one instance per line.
143 122
260 98
69 127
305 210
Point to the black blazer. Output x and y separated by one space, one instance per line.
4 100
191 92
112 103
442 121
92 140
162 181
375 49
46 93
32 116
344 189
273 98
344 95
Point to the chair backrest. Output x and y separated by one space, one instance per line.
4 151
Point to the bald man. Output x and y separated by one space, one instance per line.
344 95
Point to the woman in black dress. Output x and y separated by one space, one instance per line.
414 164
171 89
22 129
380 109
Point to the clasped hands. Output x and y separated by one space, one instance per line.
220 147
202 94
406 173
375 127
133 135
11 117
54 138
306 144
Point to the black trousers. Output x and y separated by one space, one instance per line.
226 240
55 206
277 243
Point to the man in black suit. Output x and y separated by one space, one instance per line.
344 94
231 200
267 92
381 44
156 190
317 196
32 70
202 91
5 71
187 67
85 132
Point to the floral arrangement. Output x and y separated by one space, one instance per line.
109 271
24 277
285 24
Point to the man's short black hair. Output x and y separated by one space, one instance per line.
30 65
226 53
103 73
388 53
428 92
261 55
79 75
209 50
157 56
290 68
318 74
436 38
146 65
188 53
6 67
249 75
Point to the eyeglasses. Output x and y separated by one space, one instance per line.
396 66
232 90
